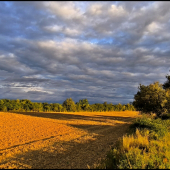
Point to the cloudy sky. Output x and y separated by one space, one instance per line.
102 51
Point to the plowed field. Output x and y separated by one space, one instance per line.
59 140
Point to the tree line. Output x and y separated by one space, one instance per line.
68 105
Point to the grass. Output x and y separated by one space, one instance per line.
146 146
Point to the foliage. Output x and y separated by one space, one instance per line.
151 99
67 106
147 148
83 104
155 126
166 85
154 98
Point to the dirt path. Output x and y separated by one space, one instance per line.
80 152
83 156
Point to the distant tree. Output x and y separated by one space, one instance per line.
16 105
92 108
99 107
69 105
78 106
151 99
56 107
64 109
35 107
110 107
60 107
4 108
119 107
1 104
130 107
123 108
46 107
105 106
84 104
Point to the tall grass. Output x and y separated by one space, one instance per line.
147 148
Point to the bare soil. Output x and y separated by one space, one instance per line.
59 140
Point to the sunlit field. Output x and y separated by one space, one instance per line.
59 140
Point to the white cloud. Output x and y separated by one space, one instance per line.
54 28
95 9
66 10
71 32
117 11
63 30
154 27
36 89
49 44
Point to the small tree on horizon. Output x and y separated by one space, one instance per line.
69 105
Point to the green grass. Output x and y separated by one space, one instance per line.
147 146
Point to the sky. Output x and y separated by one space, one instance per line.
98 50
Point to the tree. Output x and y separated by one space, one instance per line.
167 105
166 85
119 107
69 105
105 106
84 104
151 99
78 106
4 109
16 104
35 107
60 107
1 104
46 107
56 107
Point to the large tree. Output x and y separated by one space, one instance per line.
69 105
151 99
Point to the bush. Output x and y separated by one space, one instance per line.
158 126
147 148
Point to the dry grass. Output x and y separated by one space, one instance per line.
147 148
29 139
137 140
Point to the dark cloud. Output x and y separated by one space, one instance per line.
101 51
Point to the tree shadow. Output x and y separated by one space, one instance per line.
78 154
73 117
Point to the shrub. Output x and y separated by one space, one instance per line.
158 126
147 148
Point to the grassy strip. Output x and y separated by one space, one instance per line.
147 146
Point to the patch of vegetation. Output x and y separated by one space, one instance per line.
154 125
154 98
68 105
147 148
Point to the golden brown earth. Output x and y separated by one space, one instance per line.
59 140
